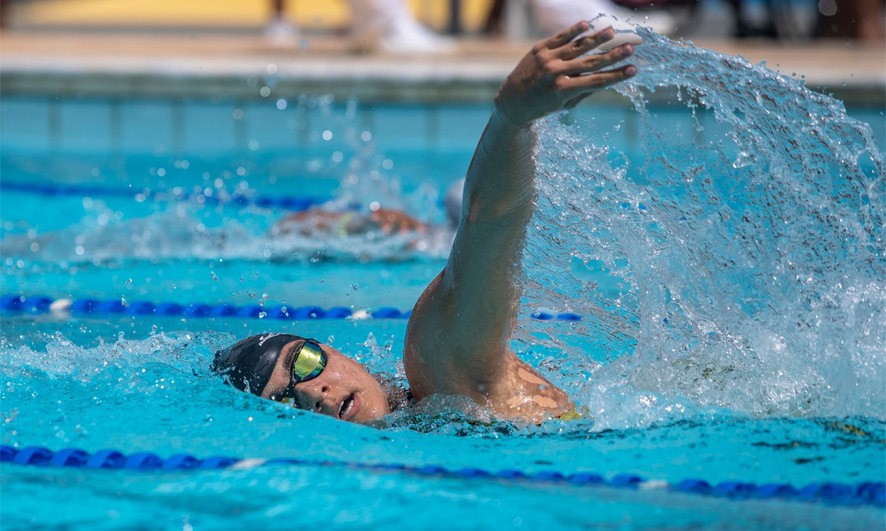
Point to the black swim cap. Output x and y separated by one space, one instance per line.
249 364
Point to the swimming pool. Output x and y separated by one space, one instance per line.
770 378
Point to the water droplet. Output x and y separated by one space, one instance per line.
827 8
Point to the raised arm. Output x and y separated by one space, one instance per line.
457 340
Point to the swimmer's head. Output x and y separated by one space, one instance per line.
301 371
453 201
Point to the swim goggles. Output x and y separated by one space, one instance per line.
308 363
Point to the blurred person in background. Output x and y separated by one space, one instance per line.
376 26
782 19
550 15
375 223
547 15
851 19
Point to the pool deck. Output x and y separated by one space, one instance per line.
79 64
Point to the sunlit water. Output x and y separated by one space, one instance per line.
730 271
743 249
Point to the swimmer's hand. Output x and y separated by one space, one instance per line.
555 76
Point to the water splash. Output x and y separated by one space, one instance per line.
737 255
740 249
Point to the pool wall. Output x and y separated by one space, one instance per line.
174 125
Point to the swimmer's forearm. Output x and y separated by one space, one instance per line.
499 180
458 336
498 203
459 329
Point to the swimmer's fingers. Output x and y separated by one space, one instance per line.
585 44
555 71
565 36
593 63
583 86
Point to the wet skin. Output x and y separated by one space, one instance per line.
457 340
344 390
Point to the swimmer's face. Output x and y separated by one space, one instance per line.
344 390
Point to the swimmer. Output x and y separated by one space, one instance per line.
457 337
319 223
379 222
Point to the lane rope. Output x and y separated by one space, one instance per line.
202 196
865 493
25 304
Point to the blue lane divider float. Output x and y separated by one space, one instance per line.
869 493
205 196
11 304
24 304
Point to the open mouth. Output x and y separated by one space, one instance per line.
348 407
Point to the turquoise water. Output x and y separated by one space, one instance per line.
725 250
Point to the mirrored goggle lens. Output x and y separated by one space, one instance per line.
309 362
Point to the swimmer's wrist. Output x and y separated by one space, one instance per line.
501 115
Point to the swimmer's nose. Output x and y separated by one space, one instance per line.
311 397
308 400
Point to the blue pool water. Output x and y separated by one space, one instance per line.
725 251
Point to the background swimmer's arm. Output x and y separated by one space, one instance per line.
457 341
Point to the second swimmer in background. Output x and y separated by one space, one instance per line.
377 223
